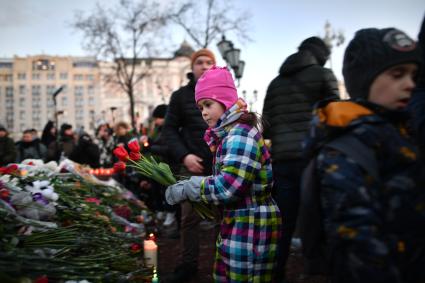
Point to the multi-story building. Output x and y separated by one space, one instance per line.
27 85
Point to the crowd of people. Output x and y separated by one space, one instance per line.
373 215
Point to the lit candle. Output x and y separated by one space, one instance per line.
150 252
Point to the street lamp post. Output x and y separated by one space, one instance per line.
55 94
232 57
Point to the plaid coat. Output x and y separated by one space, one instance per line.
241 183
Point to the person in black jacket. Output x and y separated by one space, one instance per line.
302 81
49 134
7 148
30 147
183 132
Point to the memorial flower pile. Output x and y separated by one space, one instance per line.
61 227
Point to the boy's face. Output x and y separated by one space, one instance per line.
201 64
211 111
393 87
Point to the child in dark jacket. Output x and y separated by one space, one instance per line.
241 183
375 225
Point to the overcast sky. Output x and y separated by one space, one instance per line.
30 27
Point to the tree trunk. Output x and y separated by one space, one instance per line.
133 120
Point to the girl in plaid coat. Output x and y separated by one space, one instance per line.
241 183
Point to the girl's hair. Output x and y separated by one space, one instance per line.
252 119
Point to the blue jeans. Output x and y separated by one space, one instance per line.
286 192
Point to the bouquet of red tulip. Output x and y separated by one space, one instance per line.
149 167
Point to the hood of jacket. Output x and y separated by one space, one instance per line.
332 118
297 62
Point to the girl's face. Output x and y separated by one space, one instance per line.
392 88
211 111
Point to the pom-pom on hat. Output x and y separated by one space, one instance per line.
371 52
202 52
217 84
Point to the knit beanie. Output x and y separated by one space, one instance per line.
217 83
371 52
202 52
160 111
317 47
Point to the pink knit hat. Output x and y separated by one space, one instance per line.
217 83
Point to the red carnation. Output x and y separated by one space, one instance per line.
121 153
119 166
135 155
134 145
11 169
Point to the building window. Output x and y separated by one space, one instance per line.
36 90
22 90
22 76
9 91
6 65
22 114
63 76
85 64
22 102
64 101
89 77
51 76
9 78
78 77
43 65
36 76
91 100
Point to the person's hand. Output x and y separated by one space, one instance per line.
187 189
193 163
175 194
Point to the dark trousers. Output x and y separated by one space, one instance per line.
189 230
286 192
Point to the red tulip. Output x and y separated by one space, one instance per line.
134 145
121 153
119 167
135 155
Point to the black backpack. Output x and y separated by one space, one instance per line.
317 254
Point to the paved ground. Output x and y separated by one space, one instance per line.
169 253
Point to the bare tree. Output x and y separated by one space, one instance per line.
205 20
123 34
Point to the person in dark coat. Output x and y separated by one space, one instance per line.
302 81
49 133
64 146
183 132
86 151
374 223
7 148
29 147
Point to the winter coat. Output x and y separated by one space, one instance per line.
30 150
241 183
7 151
375 226
65 145
86 152
106 148
184 128
289 101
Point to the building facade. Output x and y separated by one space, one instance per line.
27 85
